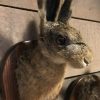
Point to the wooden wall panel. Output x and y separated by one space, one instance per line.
30 4
15 26
88 9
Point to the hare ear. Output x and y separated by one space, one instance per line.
42 9
65 12
42 14
53 8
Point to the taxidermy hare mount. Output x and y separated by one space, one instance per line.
40 64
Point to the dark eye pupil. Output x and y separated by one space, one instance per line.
61 40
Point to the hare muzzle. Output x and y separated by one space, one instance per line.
80 53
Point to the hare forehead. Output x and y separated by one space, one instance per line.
62 29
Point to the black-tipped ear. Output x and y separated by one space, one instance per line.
65 12
53 8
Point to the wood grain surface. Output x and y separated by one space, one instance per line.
15 26
30 4
88 9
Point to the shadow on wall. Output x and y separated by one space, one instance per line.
31 32
4 45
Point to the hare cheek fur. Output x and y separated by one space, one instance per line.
42 75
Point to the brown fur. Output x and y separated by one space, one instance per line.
39 80
40 70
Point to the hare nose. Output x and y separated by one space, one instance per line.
86 61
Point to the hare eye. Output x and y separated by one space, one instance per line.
62 40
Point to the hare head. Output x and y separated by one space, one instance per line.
60 39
